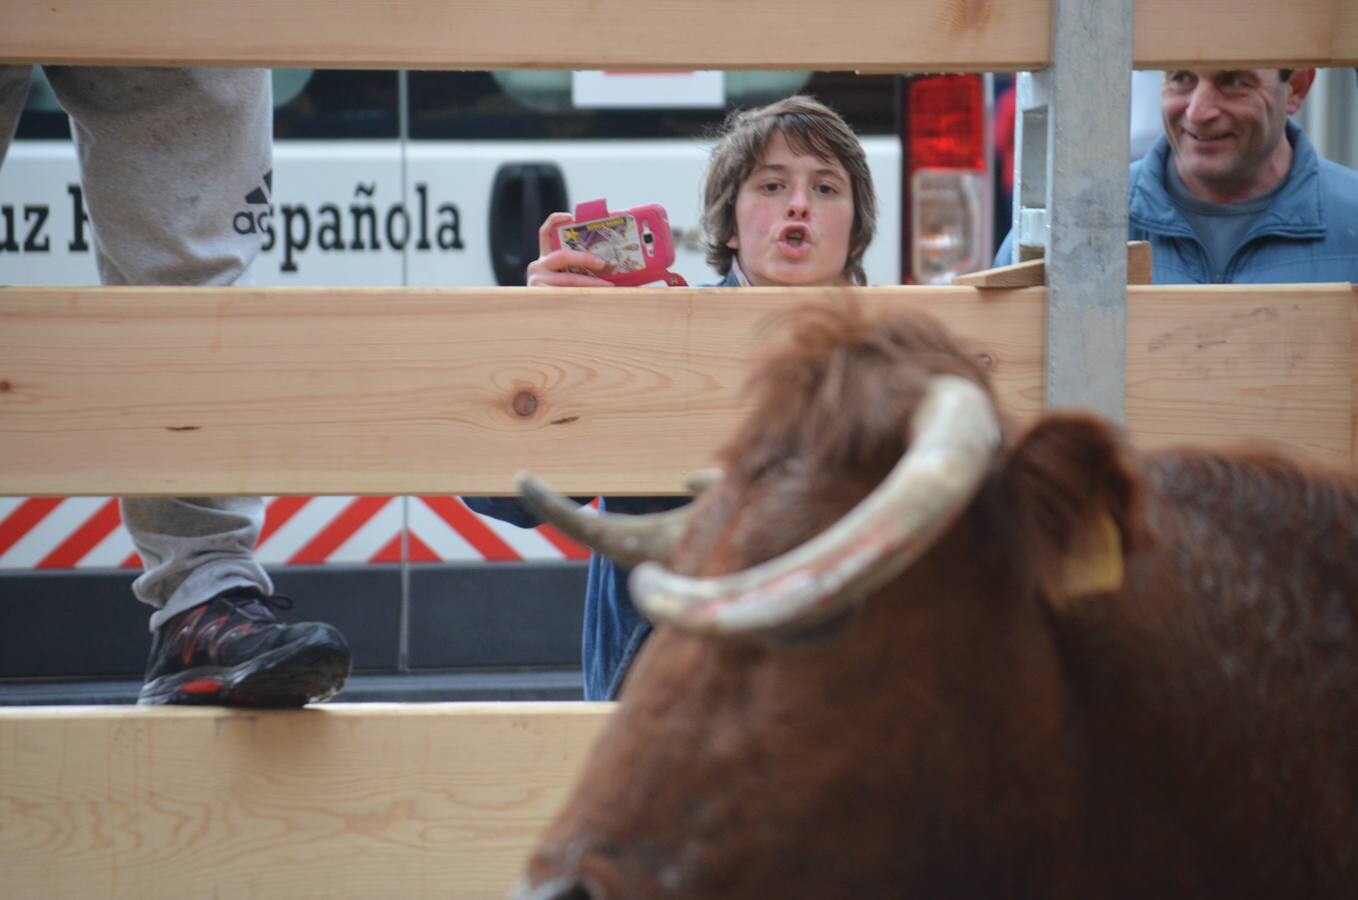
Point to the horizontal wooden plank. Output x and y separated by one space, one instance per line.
863 35
200 391
507 34
212 391
427 800
1271 364
1170 34
1353 437
1345 45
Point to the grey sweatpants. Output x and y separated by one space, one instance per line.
167 159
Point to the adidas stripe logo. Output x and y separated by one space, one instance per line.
249 221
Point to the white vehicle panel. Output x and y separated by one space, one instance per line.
339 215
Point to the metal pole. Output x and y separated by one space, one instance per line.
1030 166
1089 93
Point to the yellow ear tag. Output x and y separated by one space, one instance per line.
1094 564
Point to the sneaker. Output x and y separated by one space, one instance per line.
233 651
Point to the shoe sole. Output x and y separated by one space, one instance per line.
289 676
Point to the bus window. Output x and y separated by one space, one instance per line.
536 105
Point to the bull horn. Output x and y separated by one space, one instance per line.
627 540
955 435
702 480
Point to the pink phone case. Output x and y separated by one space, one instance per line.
636 241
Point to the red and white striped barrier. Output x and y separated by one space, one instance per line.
85 533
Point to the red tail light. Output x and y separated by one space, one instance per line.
947 124
947 228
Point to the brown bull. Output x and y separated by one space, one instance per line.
1082 673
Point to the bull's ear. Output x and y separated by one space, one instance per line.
1077 497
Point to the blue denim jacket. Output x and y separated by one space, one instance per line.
1309 233
614 631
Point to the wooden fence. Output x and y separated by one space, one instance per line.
207 391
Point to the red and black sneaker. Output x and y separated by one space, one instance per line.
233 651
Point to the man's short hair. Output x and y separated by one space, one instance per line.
808 126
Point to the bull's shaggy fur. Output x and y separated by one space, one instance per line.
972 731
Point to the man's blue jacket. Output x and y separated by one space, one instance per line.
1309 233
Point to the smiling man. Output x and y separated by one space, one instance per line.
1234 192
1227 130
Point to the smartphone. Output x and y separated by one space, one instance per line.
636 243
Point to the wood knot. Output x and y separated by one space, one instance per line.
525 404
5 386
